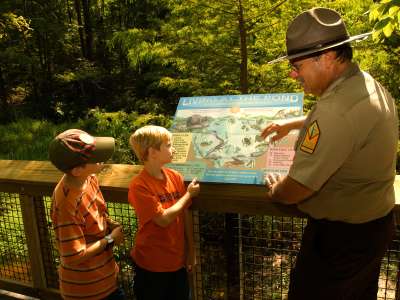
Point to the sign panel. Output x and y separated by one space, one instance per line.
217 138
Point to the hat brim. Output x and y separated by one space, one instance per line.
104 150
359 37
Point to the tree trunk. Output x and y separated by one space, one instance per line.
88 28
244 84
68 8
101 36
80 26
3 94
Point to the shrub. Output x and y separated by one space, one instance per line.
121 125
28 139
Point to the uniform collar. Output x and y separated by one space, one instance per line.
349 72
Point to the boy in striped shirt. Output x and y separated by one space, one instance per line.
85 234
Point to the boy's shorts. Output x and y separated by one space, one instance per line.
149 285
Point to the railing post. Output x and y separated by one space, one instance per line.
196 277
29 214
232 256
397 283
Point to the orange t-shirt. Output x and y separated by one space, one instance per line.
157 249
79 217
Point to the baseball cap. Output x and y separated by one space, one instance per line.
75 147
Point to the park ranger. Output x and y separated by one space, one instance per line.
344 166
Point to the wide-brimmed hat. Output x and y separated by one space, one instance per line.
316 30
75 147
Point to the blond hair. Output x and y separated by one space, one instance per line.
148 136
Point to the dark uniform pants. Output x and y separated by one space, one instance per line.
340 261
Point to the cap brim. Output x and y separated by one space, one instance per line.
104 149
359 37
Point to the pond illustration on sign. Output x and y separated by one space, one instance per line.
227 137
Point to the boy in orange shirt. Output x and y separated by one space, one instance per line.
164 245
84 232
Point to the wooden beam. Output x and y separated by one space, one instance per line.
40 178
18 287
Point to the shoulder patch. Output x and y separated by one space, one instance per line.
311 138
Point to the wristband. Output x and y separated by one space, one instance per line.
110 242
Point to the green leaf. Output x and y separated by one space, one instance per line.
393 11
388 30
376 35
382 8
374 14
381 24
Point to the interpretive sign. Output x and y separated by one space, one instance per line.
217 138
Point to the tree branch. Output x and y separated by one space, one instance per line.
273 8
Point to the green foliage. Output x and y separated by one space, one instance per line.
386 18
384 59
143 55
139 57
28 139
121 125
15 32
12 237
10 24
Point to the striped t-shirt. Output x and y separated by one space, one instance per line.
79 219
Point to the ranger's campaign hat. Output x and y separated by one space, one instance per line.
75 147
316 30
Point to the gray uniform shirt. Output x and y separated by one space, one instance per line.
346 151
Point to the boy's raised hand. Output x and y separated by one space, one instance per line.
193 188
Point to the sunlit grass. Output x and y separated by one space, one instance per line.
28 139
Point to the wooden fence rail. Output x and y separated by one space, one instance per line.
33 181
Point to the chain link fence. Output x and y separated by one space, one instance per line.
246 257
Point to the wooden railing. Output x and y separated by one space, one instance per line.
32 181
